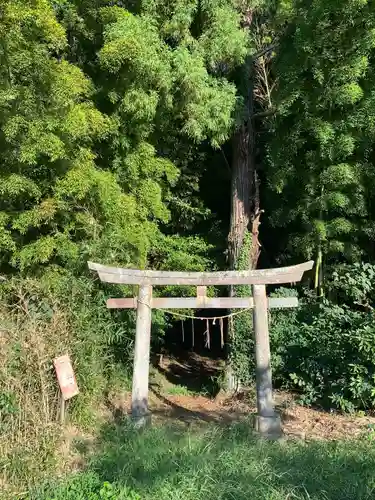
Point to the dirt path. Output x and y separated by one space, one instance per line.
171 402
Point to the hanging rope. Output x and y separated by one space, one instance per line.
207 333
221 332
207 319
183 331
181 315
192 331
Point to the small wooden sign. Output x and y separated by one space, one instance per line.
66 377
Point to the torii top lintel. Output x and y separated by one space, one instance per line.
291 274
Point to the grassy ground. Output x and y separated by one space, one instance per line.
217 463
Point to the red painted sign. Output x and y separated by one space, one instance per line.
66 377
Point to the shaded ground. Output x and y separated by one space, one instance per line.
195 372
174 396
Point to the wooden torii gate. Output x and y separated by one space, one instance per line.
267 420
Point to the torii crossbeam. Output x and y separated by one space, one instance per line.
268 423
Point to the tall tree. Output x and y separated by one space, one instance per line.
99 105
323 147
50 187
263 20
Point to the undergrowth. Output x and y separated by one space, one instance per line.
325 349
39 320
181 390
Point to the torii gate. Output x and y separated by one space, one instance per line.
267 421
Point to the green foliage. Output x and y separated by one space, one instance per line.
53 193
241 326
8 408
354 285
180 390
40 320
321 164
325 351
83 171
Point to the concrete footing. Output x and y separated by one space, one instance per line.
269 427
141 421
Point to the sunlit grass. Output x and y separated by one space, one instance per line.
180 390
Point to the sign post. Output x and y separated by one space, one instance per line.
67 381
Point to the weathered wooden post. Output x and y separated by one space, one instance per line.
140 411
267 421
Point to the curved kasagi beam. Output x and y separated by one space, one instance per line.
118 275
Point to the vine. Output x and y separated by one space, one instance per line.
241 354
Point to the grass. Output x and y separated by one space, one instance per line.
29 432
181 390
216 463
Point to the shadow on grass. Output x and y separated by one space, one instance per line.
217 463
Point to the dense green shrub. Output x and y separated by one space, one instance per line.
326 349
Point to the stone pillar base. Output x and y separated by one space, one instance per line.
141 421
269 427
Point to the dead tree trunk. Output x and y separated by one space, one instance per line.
242 183
243 171
243 202
245 198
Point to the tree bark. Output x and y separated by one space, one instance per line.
243 170
243 202
242 183
245 199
